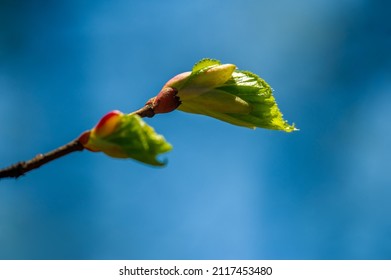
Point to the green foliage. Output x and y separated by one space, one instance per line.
204 64
126 136
211 88
225 93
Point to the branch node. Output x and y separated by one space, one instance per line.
146 111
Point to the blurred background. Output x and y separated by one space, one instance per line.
227 192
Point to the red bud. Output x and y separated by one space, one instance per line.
108 123
166 101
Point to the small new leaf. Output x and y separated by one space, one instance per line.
225 93
126 136
205 63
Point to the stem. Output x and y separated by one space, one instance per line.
146 111
18 169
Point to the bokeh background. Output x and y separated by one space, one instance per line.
227 192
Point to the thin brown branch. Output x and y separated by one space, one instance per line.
18 169
146 111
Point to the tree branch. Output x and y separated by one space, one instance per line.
146 111
18 169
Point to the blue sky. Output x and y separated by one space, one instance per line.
227 192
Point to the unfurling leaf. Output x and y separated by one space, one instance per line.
225 93
125 136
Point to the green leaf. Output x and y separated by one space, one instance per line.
205 76
126 136
242 98
204 64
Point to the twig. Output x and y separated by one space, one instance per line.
146 111
18 169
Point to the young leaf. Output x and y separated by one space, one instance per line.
125 136
225 93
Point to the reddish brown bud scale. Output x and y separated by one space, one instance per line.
166 101
83 139
150 101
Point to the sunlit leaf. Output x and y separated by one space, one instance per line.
126 136
223 92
